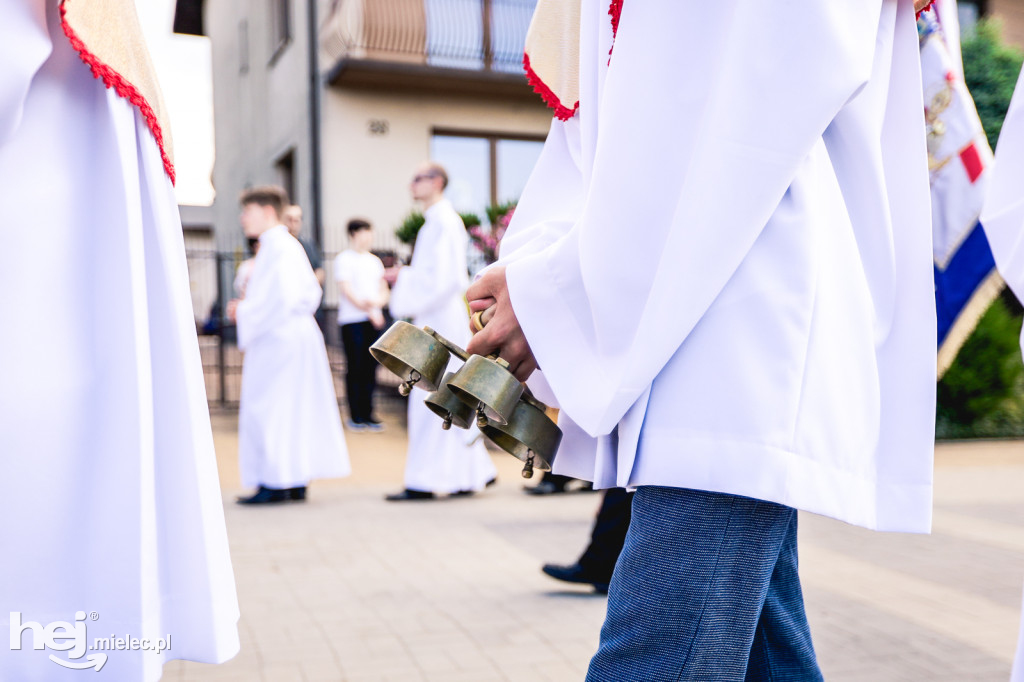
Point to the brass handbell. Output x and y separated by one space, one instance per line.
486 385
505 411
530 435
415 355
449 407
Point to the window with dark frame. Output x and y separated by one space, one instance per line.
484 169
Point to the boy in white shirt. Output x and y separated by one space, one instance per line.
360 277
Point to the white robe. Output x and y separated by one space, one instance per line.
289 425
723 262
1003 219
430 290
111 502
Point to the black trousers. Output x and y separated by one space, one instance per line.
609 533
361 370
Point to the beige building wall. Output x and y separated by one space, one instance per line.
261 105
1011 14
367 174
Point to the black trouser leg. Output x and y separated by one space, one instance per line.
361 370
559 481
609 533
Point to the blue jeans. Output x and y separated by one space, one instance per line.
706 588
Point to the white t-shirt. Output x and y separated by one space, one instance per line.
363 272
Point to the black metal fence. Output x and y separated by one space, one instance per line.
212 276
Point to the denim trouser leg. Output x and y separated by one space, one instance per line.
782 648
686 598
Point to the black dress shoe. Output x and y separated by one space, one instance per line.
577 574
468 493
408 494
297 494
265 496
545 488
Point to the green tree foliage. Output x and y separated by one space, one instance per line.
990 72
410 227
470 220
980 394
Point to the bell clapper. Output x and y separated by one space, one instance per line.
405 388
528 467
447 423
481 417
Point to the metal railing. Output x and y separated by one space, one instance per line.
460 34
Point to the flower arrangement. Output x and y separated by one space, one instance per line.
488 240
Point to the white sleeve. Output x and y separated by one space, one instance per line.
543 216
284 288
1003 212
707 110
24 46
437 274
262 310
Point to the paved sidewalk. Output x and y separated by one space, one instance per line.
348 587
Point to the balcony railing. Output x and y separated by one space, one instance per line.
471 35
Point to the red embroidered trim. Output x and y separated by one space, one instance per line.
112 79
925 8
615 12
562 113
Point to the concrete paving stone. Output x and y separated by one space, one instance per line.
272 672
430 640
512 656
434 662
315 674
365 670
227 676
523 673
879 641
310 652
473 675
405 677
469 659
350 588
556 671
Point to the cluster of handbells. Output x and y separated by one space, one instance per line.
483 391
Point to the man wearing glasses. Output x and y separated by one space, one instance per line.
430 290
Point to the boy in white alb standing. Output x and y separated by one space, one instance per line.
289 427
363 295
431 290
